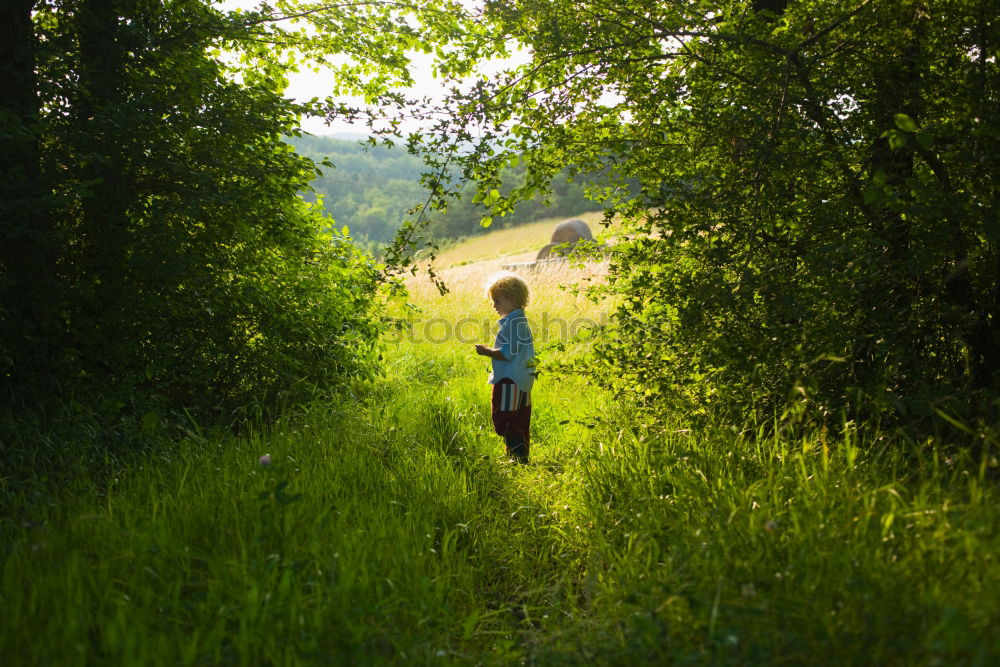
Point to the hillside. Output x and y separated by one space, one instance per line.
370 188
510 244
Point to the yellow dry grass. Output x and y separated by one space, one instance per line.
505 244
558 309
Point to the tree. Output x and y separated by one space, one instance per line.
28 286
815 210
153 237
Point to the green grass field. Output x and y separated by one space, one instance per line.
389 529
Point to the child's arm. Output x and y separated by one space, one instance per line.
491 352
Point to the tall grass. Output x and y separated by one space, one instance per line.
389 529
739 549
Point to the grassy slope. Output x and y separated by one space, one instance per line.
515 244
390 530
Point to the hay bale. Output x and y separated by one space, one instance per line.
564 237
571 231
546 251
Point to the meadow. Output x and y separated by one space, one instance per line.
382 525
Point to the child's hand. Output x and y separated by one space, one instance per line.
483 350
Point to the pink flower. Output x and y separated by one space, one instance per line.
265 460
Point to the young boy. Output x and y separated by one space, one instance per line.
513 357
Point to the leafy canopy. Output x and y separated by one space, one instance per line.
806 188
155 254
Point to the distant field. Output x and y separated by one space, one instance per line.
515 244
557 310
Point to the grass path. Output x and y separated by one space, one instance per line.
388 529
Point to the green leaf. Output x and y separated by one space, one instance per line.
897 139
905 123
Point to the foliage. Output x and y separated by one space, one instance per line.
155 254
810 190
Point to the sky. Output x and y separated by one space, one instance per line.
306 84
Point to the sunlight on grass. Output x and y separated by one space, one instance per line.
559 311
514 244
387 527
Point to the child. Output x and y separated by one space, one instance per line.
513 355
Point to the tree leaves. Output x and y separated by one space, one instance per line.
904 122
804 182
190 272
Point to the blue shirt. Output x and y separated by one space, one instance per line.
518 349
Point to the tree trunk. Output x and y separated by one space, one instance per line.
30 293
887 352
984 337
102 115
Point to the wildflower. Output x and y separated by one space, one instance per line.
265 460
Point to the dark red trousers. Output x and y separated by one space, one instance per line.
512 417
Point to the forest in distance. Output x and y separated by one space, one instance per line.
244 419
370 189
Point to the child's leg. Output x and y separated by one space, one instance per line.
518 439
512 418
517 448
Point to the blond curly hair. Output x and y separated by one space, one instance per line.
509 285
